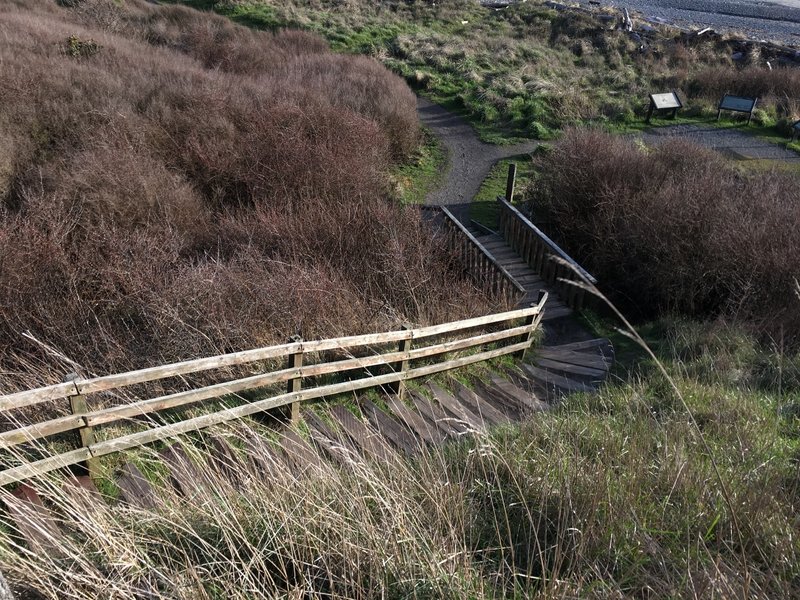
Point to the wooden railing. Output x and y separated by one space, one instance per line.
479 262
299 364
543 255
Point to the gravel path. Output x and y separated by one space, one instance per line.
733 143
772 20
470 159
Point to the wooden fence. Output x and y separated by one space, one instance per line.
539 251
299 365
479 262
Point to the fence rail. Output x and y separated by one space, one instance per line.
509 333
479 262
538 250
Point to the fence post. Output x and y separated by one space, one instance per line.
399 387
511 181
78 406
528 337
295 383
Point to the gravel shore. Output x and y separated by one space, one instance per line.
771 20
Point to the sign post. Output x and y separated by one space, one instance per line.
665 101
741 104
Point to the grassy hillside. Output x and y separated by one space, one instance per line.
529 70
173 185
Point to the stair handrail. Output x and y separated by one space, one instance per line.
500 280
543 255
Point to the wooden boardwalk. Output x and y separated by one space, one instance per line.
569 360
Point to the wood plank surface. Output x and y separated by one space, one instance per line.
367 440
399 435
452 406
480 406
426 431
134 488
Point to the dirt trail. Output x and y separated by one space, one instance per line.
469 159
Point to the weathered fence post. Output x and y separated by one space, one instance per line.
399 387
530 321
295 384
78 406
511 181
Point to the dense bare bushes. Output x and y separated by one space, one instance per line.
675 227
194 186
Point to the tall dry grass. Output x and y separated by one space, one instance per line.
676 227
189 186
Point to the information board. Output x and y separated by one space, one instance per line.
738 103
665 101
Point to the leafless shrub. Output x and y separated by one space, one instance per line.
195 187
675 227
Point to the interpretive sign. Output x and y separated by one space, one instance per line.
737 104
665 101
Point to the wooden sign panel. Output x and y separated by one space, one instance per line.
665 101
738 103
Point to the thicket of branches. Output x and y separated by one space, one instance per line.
173 185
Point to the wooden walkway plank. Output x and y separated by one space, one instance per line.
34 522
524 398
427 432
583 345
512 410
263 460
300 456
367 440
479 406
456 409
551 380
434 414
185 476
338 449
570 369
579 359
224 460
397 434
134 488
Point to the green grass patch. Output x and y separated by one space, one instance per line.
484 209
422 173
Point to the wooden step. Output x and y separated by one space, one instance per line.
452 406
299 455
583 345
556 313
224 461
525 398
578 359
134 489
335 446
397 434
570 369
367 440
266 462
34 522
185 476
434 414
499 401
552 380
424 430
479 406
